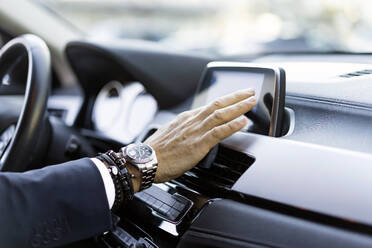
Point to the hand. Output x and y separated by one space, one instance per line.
182 143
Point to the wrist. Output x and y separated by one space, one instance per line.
136 180
107 181
121 176
113 171
143 163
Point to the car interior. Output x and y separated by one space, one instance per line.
302 180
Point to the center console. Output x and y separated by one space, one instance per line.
164 212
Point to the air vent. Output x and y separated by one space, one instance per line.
225 170
356 73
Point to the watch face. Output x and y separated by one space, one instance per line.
139 153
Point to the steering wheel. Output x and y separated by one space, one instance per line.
24 61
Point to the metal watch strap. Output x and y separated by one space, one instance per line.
148 175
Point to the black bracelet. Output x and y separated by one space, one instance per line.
122 179
126 177
114 173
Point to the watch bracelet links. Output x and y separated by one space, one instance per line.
148 176
121 178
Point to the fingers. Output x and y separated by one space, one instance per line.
228 100
215 135
229 113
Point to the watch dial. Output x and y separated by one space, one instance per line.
140 153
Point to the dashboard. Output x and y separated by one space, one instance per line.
122 112
314 179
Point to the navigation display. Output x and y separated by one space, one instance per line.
222 78
226 82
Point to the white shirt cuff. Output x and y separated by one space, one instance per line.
107 181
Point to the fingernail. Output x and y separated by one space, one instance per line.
250 91
243 119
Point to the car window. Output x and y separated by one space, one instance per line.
226 27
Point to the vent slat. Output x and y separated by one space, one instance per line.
216 176
226 169
356 73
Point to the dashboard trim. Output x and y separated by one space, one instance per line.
316 185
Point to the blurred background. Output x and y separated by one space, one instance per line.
223 27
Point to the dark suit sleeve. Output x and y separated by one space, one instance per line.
53 206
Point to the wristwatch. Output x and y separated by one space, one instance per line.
142 157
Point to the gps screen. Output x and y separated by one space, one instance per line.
226 82
222 78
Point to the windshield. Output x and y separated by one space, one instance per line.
226 27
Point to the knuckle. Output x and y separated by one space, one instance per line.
219 115
217 104
185 115
229 126
205 111
216 133
173 124
244 104
202 111
233 125
236 96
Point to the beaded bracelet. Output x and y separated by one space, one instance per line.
126 177
122 179
114 173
